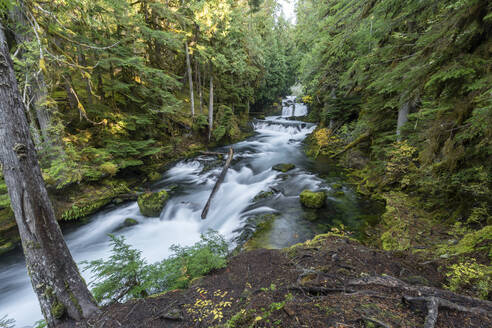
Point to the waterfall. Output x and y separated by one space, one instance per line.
292 108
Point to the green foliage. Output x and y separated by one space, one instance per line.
226 124
127 275
124 275
470 275
190 262
361 62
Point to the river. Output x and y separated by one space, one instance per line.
277 140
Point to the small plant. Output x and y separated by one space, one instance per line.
470 274
127 275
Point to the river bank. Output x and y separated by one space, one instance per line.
329 281
77 201
409 222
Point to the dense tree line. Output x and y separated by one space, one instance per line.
112 87
403 94
407 73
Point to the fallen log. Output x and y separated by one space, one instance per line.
218 183
212 153
353 144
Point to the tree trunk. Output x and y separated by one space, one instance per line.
406 108
37 91
190 79
333 95
402 118
40 93
218 183
211 106
200 89
62 293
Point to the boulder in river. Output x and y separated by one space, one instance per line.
284 167
152 203
130 222
313 199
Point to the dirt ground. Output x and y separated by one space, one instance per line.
327 282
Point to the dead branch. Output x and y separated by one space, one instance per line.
218 183
433 304
212 153
392 282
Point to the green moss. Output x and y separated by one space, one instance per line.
260 238
57 310
152 203
130 222
154 176
283 167
79 211
474 241
263 195
313 199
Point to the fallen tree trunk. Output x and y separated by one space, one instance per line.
212 153
353 143
218 183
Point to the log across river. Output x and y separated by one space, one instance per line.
277 140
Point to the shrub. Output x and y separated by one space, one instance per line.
127 275
470 274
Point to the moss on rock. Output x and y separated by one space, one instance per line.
263 195
313 199
152 203
130 222
284 167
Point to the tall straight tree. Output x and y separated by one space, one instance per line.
211 105
190 79
62 293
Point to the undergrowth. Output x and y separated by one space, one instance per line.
126 274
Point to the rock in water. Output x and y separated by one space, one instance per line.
130 222
284 167
152 203
313 199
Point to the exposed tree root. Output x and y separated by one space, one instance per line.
434 303
429 297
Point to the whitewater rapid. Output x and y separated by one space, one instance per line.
277 141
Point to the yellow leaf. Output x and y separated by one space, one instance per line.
42 65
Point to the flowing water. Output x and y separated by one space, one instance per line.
277 141
292 108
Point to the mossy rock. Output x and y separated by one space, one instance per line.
263 195
313 199
154 176
130 222
152 203
284 167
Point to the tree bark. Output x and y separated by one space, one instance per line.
200 89
211 106
218 183
37 92
62 293
406 108
190 79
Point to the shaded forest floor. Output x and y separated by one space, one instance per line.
329 281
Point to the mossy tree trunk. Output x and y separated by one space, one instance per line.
62 293
36 90
211 106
